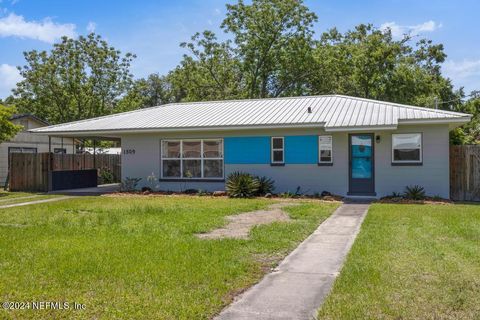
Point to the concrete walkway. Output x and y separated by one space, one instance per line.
34 202
299 285
20 198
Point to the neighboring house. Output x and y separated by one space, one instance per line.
344 145
26 142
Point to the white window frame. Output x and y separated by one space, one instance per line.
331 149
202 158
272 149
408 161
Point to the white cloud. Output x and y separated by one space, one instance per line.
464 73
462 69
399 30
9 77
46 30
91 26
217 11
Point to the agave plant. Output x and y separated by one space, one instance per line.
414 192
241 185
265 185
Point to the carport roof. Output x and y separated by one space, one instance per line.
331 112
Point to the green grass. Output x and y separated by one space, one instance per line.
138 258
411 262
15 200
10 195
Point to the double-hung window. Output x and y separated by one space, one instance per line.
278 150
192 159
325 155
407 148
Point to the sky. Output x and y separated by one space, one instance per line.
153 29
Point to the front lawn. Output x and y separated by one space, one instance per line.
411 262
4 195
138 257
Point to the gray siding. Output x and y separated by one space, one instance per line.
433 174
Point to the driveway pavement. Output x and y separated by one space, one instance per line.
299 285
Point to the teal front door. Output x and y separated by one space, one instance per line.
361 153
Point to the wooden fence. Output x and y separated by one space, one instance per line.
29 171
465 173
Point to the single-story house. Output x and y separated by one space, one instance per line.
340 144
26 142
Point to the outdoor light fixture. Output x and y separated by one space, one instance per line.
377 139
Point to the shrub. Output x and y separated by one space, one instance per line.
265 185
202 193
130 184
146 189
153 182
106 176
191 191
241 185
414 192
287 195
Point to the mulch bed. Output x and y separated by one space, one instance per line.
427 200
331 198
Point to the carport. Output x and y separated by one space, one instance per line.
63 174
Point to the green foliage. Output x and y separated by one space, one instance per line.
130 184
367 62
152 91
414 192
298 193
106 176
7 129
269 54
273 41
78 79
470 132
241 185
265 185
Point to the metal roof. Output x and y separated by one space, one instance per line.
332 112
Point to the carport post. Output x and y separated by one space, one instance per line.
49 180
63 154
94 159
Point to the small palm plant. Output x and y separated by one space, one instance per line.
414 192
241 185
265 185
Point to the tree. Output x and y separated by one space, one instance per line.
470 132
368 62
152 91
269 54
211 72
78 79
7 128
273 39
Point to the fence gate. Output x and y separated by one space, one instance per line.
465 173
